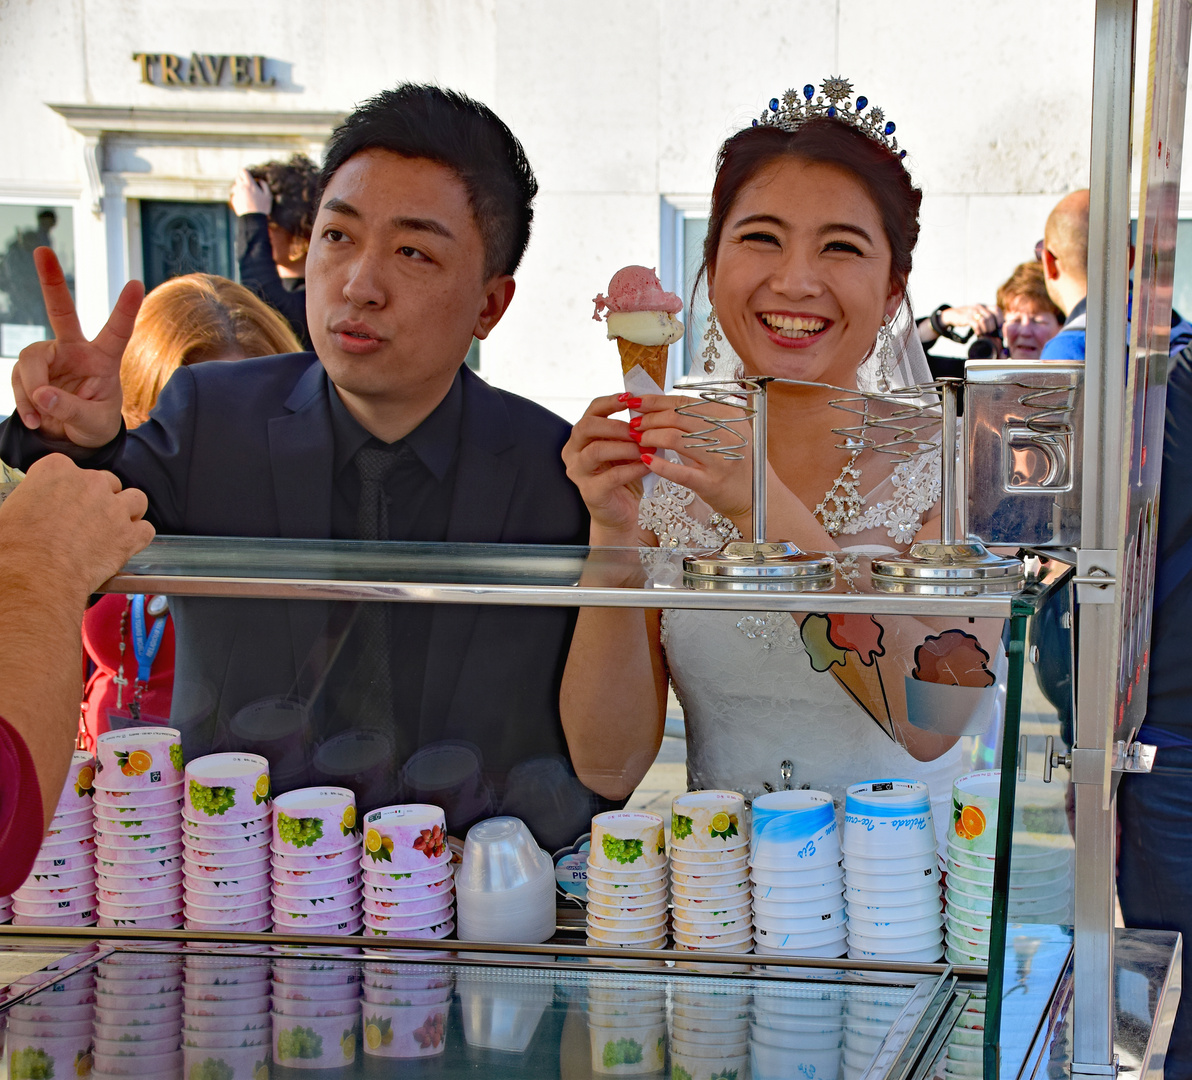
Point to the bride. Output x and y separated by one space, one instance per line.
812 225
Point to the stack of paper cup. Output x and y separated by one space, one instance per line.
60 889
797 1036
138 1009
316 1014
316 830
709 1034
505 886
404 1010
868 1018
798 885
1040 884
226 814
226 1028
710 841
971 853
890 873
138 828
50 1034
627 874
405 858
966 1044
627 1030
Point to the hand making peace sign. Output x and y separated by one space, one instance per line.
69 388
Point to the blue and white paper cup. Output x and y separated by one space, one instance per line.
795 830
888 820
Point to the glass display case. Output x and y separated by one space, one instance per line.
1024 884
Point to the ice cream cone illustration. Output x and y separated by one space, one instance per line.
848 646
641 319
950 685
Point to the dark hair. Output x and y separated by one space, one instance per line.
453 130
294 185
822 141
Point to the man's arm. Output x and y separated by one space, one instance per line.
63 532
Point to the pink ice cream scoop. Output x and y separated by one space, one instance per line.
636 288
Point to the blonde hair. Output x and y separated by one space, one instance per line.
187 320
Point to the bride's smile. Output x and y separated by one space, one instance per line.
801 278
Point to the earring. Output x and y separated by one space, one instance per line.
712 335
884 348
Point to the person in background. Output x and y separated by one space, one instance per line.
1030 318
275 204
63 531
187 320
974 322
1065 270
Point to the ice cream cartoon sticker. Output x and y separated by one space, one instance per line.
848 645
950 688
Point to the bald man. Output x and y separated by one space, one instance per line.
1065 273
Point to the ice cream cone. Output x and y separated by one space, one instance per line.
864 683
650 358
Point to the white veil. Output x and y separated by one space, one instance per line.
906 362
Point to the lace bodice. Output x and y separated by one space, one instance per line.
751 698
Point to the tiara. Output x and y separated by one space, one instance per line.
835 101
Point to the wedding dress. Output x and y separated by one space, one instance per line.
751 699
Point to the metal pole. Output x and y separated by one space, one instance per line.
948 464
1104 422
759 464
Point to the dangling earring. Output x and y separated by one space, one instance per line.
884 349
727 368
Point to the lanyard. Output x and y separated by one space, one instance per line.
144 646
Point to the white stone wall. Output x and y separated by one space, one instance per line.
620 105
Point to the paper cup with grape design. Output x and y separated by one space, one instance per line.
400 839
135 759
315 820
627 840
709 821
227 788
974 812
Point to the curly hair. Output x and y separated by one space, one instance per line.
294 185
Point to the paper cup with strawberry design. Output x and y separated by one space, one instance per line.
139 758
627 840
400 839
974 812
227 788
315 820
708 821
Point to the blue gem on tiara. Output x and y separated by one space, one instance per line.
835 101
755 123
901 154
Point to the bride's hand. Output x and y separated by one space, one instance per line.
724 484
604 462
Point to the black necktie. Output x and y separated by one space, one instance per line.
374 640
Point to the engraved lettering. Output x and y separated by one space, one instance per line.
143 59
194 71
213 68
169 70
241 75
258 73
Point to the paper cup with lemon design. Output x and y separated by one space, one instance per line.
405 838
315 820
623 840
973 827
708 821
134 759
227 788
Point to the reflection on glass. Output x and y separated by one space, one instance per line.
22 311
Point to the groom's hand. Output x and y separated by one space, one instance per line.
69 388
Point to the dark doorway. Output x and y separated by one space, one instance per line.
185 238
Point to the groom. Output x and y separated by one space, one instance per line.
382 434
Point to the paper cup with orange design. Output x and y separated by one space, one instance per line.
133 759
399 839
624 840
974 812
80 781
227 788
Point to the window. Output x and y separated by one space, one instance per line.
22 228
684 226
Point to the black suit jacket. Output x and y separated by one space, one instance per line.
245 449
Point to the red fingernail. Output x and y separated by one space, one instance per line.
636 436
650 449
634 403
635 423
647 458
624 397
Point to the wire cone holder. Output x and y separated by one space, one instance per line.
903 428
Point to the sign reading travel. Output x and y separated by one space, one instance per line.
204 69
